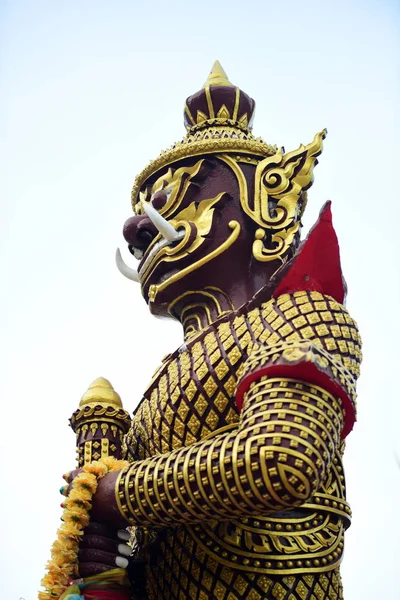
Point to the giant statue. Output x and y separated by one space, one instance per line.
228 481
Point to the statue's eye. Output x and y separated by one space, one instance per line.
160 198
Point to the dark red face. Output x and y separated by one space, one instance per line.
227 220
200 200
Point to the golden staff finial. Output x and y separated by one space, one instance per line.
102 392
100 423
217 76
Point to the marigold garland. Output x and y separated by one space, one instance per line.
63 565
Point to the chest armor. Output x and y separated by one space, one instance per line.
192 398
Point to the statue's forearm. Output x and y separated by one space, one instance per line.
276 459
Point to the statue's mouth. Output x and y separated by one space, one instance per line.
151 253
168 241
162 245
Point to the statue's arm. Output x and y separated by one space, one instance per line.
276 459
293 398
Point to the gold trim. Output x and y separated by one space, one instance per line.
281 181
189 114
232 162
282 241
201 216
222 124
170 253
168 470
184 149
156 490
268 570
156 289
220 431
211 113
236 108
217 289
120 482
200 117
223 455
223 113
243 121
205 293
197 305
178 182
177 489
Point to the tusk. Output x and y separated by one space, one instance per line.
165 228
124 269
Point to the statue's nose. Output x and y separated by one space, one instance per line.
139 231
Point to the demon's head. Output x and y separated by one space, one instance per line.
219 210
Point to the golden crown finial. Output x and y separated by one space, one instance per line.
100 391
217 76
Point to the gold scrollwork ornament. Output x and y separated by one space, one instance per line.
279 241
280 198
281 182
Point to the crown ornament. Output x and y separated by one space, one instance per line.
218 118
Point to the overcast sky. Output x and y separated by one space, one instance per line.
90 91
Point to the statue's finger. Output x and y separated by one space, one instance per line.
124 535
89 569
70 475
121 561
66 476
64 490
124 550
102 543
103 530
101 557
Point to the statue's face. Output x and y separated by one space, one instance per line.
221 220
200 200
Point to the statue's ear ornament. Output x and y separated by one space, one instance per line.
281 183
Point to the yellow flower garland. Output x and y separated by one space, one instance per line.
62 567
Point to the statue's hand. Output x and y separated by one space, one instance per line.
104 506
103 548
103 545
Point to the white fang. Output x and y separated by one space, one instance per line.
165 228
123 268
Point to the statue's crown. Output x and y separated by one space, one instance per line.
219 103
218 118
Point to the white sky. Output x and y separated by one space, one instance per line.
90 91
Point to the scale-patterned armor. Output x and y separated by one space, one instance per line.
237 461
